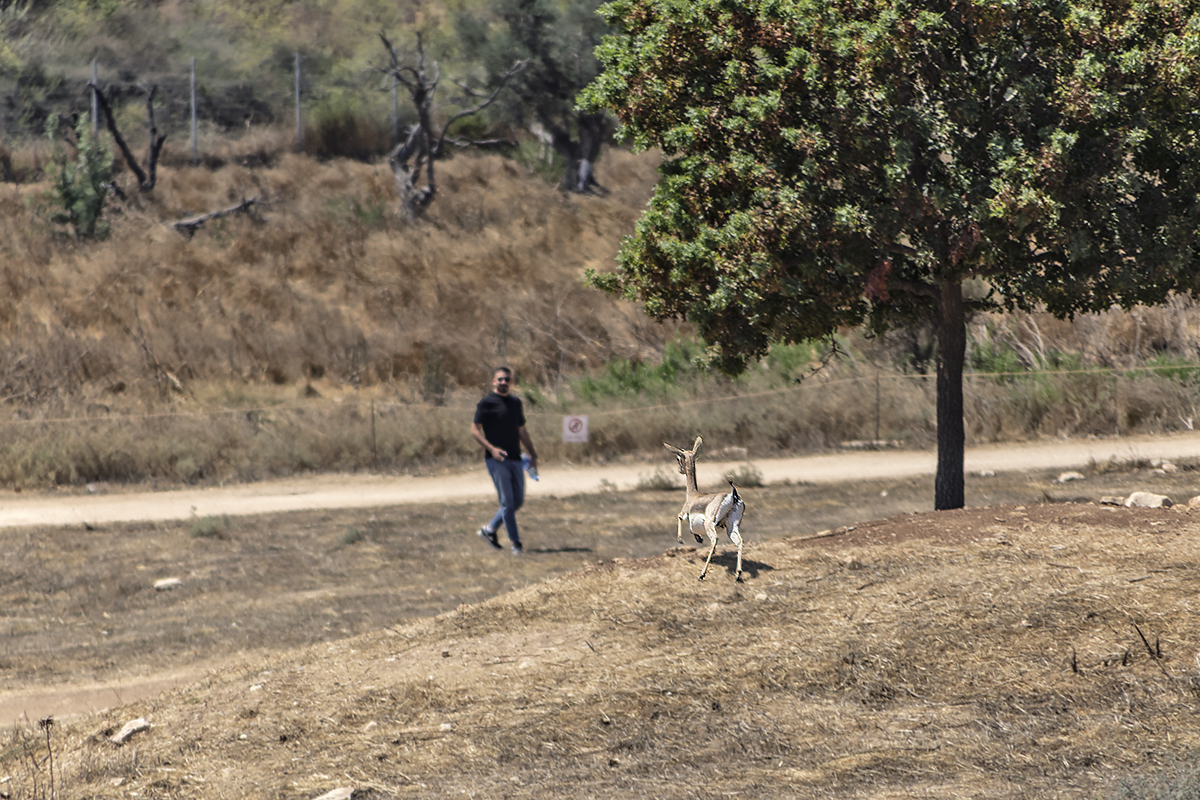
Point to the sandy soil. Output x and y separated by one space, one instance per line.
369 491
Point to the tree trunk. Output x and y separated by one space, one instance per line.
948 489
591 136
580 156
146 178
407 160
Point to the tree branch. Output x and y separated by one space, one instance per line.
491 98
189 226
148 177
156 142
111 124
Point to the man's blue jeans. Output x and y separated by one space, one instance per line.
509 477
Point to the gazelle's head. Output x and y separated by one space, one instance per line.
685 456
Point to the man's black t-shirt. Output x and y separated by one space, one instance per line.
501 418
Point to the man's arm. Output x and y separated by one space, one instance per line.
525 440
477 432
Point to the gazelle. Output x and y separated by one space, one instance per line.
708 512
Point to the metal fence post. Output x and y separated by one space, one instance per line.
195 143
95 100
299 128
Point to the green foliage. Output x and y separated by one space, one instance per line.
834 164
682 365
1174 367
992 357
792 361
80 187
12 20
820 174
353 535
211 527
370 213
556 40
340 125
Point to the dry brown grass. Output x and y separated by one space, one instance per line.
327 281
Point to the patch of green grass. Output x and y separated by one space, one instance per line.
353 535
682 366
211 527
1174 367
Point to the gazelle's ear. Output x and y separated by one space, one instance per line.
672 448
696 446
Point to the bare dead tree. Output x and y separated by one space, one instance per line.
147 177
425 143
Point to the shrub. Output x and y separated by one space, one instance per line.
747 475
658 481
341 127
80 188
211 527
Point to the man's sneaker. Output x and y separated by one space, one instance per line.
518 550
489 537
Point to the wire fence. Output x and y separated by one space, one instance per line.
354 433
1186 377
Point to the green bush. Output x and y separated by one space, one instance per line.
81 186
682 367
340 126
211 527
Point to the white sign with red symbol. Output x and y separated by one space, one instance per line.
575 429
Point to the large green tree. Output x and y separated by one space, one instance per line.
841 162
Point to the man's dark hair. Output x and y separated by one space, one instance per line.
506 370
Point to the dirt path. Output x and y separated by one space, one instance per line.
367 491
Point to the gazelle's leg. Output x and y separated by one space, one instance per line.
736 538
710 527
679 529
708 560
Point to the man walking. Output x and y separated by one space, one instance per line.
499 426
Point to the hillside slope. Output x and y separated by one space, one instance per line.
325 282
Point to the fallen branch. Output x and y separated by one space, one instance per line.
1155 656
189 226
